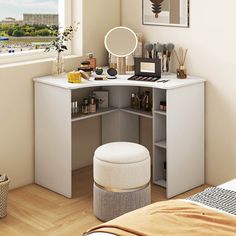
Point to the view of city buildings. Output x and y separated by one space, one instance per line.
34 31
33 19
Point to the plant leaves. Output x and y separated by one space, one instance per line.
156 7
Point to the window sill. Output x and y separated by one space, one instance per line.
36 61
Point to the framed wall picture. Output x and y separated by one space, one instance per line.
166 12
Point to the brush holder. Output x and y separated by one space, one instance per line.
181 73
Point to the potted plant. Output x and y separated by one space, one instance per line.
60 44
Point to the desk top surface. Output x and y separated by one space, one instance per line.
122 80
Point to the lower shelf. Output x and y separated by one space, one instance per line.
161 183
100 112
147 114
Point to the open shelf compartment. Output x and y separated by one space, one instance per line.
159 167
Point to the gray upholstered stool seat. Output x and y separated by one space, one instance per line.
121 179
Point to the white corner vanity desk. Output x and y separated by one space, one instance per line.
178 133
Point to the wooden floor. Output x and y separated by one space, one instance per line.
33 210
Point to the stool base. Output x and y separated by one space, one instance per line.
109 205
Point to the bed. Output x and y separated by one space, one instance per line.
211 212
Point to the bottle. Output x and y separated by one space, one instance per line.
133 101
147 101
92 106
92 60
85 106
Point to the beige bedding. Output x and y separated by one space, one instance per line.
171 218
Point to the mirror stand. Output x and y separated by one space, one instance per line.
121 65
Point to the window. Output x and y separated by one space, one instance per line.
28 26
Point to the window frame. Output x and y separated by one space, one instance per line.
64 12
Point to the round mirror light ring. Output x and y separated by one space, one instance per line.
125 35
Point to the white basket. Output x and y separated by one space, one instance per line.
4 186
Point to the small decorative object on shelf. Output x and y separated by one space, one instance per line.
163 105
92 105
141 101
133 101
74 108
146 101
60 44
85 106
102 98
181 71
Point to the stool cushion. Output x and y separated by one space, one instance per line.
124 166
121 153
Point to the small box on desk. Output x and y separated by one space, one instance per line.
102 97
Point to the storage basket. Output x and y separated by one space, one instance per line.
4 186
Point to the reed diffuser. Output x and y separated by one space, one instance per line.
181 71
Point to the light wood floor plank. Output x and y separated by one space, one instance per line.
36 211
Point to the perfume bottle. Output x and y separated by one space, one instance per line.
147 104
92 60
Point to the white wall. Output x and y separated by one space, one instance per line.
97 17
17 118
211 41
16 90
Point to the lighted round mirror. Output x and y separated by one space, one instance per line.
121 41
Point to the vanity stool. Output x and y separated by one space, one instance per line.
121 179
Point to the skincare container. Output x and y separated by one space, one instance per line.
92 106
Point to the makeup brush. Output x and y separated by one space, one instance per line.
170 47
154 50
164 49
149 48
160 49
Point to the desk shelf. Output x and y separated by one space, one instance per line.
138 112
161 144
163 113
100 112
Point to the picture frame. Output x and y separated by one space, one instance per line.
171 13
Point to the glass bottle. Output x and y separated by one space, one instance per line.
147 105
92 60
92 106
133 101
85 106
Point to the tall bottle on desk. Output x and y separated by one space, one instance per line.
92 60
